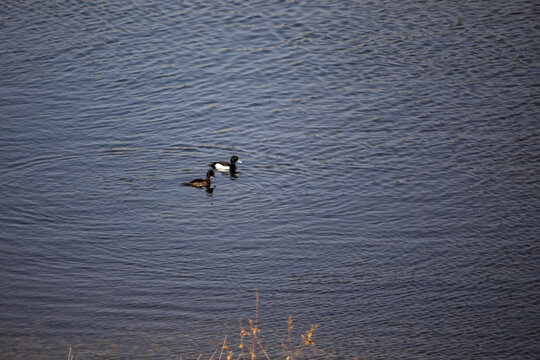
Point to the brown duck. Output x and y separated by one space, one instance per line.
200 183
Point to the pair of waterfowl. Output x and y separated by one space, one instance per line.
219 166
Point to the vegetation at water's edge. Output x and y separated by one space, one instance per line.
251 344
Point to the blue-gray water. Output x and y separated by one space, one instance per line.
389 190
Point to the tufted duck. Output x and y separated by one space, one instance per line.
200 183
225 165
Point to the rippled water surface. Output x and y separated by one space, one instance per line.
389 187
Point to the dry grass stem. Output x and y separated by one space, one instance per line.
255 343
224 346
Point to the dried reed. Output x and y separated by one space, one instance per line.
255 343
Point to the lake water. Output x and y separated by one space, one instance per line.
389 189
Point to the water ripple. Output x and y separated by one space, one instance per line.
387 190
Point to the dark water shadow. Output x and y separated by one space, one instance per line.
209 189
233 175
